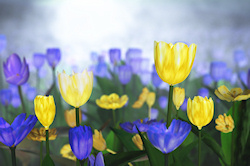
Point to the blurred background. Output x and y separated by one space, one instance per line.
85 31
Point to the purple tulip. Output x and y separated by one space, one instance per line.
2 43
228 74
145 77
115 55
163 101
125 74
94 57
248 79
38 60
240 58
101 59
16 72
136 65
217 70
207 80
133 53
98 161
5 96
144 64
204 92
53 56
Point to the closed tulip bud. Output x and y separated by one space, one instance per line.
76 88
150 99
173 63
178 97
200 111
137 141
99 142
45 110
70 117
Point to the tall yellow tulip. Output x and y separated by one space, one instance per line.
45 110
200 111
76 88
173 63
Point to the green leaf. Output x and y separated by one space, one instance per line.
122 158
155 156
47 161
125 138
107 86
110 140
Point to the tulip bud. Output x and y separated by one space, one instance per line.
178 97
99 142
137 141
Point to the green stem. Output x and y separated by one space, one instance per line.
13 155
149 113
177 111
77 162
54 76
47 142
199 149
41 152
114 117
77 117
166 159
37 80
232 142
123 111
21 97
170 104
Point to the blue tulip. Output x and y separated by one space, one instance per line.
207 80
5 96
81 141
228 74
125 74
98 161
163 101
53 56
204 92
38 60
133 53
12 135
94 57
240 58
115 55
167 140
144 64
217 70
16 72
135 63
142 125
2 43
184 105
145 77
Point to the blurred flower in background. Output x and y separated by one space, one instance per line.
203 92
243 76
154 113
16 72
145 77
3 43
163 101
133 53
66 152
125 74
135 64
248 79
70 117
5 97
115 55
156 80
53 56
184 105
240 58
207 80
218 70
38 60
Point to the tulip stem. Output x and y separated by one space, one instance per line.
166 159
199 149
13 155
149 113
77 162
21 97
177 111
47 142
77 117
114 117
37 80
232 141
41 152
110 151
170 105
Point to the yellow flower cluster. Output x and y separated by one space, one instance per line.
113 101
40 135
145 96
235 94
224 123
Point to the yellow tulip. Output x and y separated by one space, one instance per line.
178 97
40 135
142 98
151 99
70 117
137 141
45 110
224 123
66 152
99 142
200 111
235 94
173 63
76 88
112 101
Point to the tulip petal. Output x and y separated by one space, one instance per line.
18 121
3 123
99 161
6 136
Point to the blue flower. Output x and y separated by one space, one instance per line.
31 93
217 70
184 105
207 80
145 77
136 65
248 79
156 80
12 135
53 56
240 58
98 161
167 140
81 141
154 113
203 92
228 74
38 60
16 101
2 43
125 74
115 55
16 72
163 101
142 125
243 76
133 53
5 96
